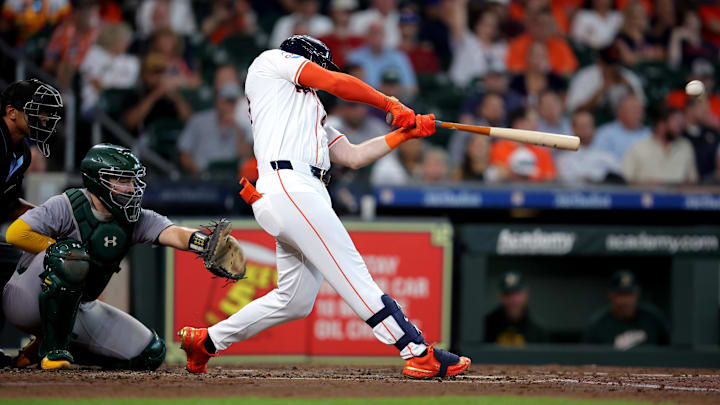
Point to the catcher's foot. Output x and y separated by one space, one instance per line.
56 360
436 363
28 354
192 341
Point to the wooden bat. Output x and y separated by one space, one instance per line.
548 139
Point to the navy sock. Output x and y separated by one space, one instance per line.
209 346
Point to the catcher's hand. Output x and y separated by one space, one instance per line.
222 254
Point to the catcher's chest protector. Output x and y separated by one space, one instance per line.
107 243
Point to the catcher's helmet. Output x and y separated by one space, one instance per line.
42 105
311 48
113 173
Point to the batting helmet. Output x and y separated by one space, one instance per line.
42 105
113 174
311 48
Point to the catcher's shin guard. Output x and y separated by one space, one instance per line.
66 266
192 341
436 363
149 359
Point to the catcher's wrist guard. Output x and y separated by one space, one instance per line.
198 242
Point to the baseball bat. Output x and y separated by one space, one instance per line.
548 139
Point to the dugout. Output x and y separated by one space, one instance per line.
568 268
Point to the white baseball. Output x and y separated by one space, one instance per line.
695 88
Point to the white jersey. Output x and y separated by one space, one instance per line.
288 122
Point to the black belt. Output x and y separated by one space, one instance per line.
321 174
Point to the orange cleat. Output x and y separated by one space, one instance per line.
436 363
192 341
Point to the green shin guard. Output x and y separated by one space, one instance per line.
149 359
63 280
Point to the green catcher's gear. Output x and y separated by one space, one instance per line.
149 359
107 243
66 266
113 174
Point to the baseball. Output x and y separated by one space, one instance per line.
695 88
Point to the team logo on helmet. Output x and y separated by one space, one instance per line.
311 48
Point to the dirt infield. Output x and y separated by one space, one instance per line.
684 386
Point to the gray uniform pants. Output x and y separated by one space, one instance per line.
100 328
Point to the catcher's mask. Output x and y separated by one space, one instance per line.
311 48
114 175
42 105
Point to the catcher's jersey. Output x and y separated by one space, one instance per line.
288 122
55 219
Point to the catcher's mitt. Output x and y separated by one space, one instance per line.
222 254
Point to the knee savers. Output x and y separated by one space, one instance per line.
66 266
149 359
392 309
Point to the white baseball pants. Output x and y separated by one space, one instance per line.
311 244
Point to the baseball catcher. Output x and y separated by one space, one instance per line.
74 243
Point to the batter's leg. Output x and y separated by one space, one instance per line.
310 224
298 285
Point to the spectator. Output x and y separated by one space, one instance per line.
617 136
491 112
704 138
110 11
71 41
340 40
375 58
596 26
435 28
21 19
601 85
522 11
663 21
625 324
475 161
158 97
510 324
384 11
167 44
687 43
229 18
353 120
434 167
401 166
421 55
478 51
213 135
538 77
307 13
635 43
512 161
177 15
540 28
666 157
710 16
108 66
493 82
704 71
589 164
552 114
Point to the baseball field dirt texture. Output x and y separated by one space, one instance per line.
332 384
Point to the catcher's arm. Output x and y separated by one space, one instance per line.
177 237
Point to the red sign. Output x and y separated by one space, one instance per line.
405 264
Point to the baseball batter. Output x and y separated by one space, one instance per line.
74 243
294 148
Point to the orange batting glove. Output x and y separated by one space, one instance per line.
403 116
424 126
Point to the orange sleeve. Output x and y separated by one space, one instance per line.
516 59
676 98
341 85
500 152
562 58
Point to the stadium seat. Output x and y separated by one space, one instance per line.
200 98
163 136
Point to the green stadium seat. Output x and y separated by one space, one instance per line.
239 50
223 169
163 136
114 102
200 98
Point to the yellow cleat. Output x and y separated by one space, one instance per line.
47 364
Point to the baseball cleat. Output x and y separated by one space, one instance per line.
436 363
56 360
192 341
28 355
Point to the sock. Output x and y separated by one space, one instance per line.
209 346
423 354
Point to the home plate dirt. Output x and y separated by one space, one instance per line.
685 386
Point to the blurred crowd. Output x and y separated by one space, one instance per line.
611 72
